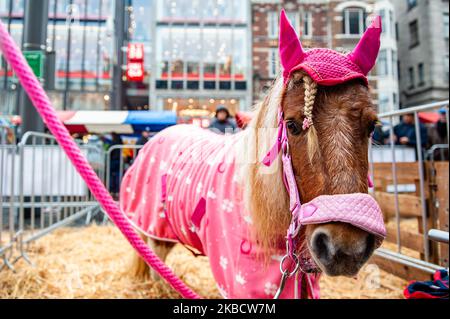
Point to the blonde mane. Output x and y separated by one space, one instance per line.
264 193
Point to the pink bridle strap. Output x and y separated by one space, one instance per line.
272 155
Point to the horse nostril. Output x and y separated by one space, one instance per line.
321 246
370 246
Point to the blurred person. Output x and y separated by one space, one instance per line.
145 136
115 158
379 136
438 135
223 122
405 132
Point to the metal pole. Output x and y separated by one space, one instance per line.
68 49
35 36
97 58
394 179
83 59
4 64
422 187
119 25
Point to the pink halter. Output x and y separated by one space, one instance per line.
326 67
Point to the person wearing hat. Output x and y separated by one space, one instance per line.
223 122
438 135
145 136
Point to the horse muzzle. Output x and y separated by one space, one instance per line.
347 229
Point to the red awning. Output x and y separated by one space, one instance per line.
428 117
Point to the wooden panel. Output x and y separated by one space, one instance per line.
400 270
405 171
442 189
409 205
409 240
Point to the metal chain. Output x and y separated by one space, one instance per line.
285 273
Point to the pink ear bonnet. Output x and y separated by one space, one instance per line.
325 66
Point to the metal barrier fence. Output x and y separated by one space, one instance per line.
40 191
423 189
117 162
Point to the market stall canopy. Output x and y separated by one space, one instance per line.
121 122
429 117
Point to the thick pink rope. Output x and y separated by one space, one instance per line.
43 105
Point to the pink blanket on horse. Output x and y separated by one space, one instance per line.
193 172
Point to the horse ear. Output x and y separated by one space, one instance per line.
289 46
366 51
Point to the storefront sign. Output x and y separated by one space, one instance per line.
135 62
135 71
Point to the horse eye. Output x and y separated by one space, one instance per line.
293 127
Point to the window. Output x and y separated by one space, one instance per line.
307 24
392 23
446 67
384 22
413 34
394 63
383 102
411 78
396 32
272 21
445 16
411 4
273 63
388 25
354 19
293 19
382 66
421 74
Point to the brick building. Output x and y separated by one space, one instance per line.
336 24
424 47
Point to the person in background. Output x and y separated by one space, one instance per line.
405 132
223 122
438 135
378 136
115 158
145 136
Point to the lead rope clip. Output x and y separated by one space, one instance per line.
285 273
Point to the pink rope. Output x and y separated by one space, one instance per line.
43 105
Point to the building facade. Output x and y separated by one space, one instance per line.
196 54
387 63
202 56
423 32
80 37
335 24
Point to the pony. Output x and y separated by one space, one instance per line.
219 195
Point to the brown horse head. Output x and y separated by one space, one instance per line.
329 154
332 160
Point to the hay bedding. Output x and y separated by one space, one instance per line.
93 262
